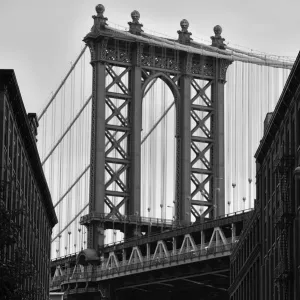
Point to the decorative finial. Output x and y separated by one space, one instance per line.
135 15
100 9
217 30
217 40
184 24
99 20
184 35
135 27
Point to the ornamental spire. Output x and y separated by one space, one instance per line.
99 20
217 40
184 36
135 27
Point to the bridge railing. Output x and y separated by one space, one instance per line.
235 213
94 272
177 225
148 220
125 219
205 247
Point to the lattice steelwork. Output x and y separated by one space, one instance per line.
117 129
202 146
123 69
187 183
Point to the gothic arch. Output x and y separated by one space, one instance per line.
169 117
167 80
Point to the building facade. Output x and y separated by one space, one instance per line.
266 263
25 194
245 261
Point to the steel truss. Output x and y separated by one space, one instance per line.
193 244
116 120
117 131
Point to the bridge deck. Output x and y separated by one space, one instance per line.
180 254
98 273
166 234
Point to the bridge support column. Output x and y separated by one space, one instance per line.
123 257
184 116
135 120
218 191
148 251
97 177
174 246
202 240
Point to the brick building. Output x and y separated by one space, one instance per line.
266 262
25 185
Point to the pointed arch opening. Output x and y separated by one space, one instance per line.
158 147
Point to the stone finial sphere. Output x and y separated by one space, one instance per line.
184 24
217 30
135 15
100 9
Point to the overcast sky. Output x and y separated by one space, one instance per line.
40 38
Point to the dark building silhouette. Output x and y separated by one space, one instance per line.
266 262
25 185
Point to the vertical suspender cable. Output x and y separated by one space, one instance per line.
235 137
243 149
249 134
164 149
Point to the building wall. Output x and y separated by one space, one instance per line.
276 263
24 192
276 187
245 261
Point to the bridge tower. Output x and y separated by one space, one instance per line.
199 127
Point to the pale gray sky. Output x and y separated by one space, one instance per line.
40 38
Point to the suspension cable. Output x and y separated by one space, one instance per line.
78 214
67 130
159 120
62 83
214 52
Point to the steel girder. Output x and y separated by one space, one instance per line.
140 64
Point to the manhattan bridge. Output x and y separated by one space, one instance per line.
147 145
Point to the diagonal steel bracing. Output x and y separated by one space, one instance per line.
117 131
201 146
124 70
